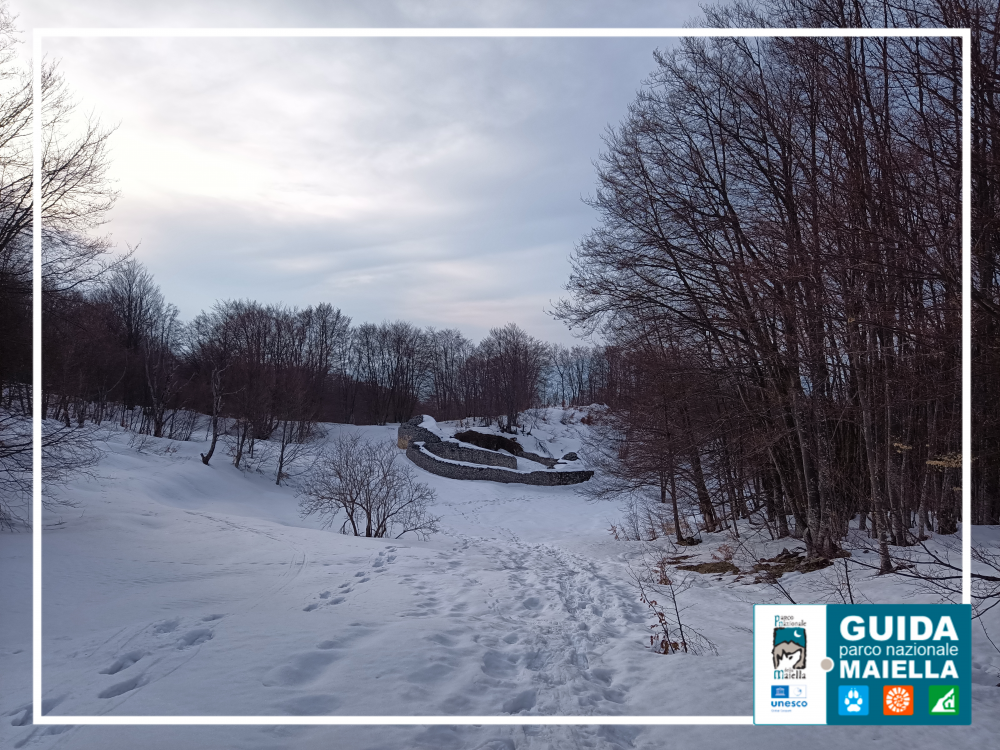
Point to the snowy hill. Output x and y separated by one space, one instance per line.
179 589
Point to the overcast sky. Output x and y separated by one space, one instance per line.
438 181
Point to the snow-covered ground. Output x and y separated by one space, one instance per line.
179 589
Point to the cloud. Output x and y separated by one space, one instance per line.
437 180
312 13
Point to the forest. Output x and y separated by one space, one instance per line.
770 301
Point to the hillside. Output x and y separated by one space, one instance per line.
179 589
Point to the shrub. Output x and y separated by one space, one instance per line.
377 493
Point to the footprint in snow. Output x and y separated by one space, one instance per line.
300 669
195 637
315 704
123 687
500 665
25 718
123 662
166 626
523 701
603 676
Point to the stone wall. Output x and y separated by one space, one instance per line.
421 456
543 460
456 452
412 431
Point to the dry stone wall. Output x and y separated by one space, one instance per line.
428 451
419 454
456 452
412 431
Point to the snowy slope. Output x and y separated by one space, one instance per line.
176 588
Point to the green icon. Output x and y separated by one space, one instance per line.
943 700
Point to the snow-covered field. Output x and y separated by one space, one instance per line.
179 589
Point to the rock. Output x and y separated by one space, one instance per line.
571 457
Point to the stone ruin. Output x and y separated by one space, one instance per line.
441 456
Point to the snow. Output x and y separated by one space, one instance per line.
179 589
524 465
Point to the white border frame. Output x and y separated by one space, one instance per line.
39 34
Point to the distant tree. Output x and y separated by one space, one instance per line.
149 336
450 351
309 351
391 362
513 364
212 353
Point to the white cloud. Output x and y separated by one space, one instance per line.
434 180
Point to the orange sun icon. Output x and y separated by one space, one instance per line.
897 700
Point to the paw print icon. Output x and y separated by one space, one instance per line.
853 700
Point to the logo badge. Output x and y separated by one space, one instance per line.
852 700
897 700
943 699
789 650
779 691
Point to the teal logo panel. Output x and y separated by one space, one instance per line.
899 664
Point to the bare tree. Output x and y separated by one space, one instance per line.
76 196
785 209
513 367
450 353
391 362
212 355
376 492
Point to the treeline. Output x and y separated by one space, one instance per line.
118 352
779 261
115 351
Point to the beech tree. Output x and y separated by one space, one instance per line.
789 207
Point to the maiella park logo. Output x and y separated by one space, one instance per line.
896 664
789 650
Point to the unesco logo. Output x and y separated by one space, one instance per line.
788 696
